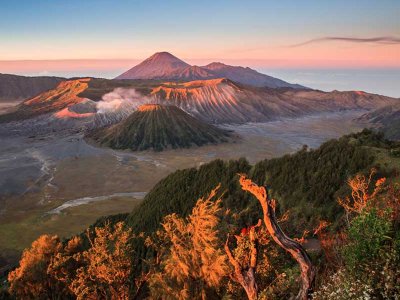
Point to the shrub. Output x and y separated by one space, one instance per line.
366 235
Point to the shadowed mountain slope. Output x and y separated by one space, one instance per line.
386 119
14 87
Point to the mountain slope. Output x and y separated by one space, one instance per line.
191 73
14 87
386 119
224 101
165 66
158 127
247 76
63 96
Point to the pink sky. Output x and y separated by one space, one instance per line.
335 54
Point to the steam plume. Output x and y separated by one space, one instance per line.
120 99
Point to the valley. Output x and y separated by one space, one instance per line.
41 174
199 151
82 148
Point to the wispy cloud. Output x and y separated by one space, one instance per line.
375 40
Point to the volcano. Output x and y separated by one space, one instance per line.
159 127
165 66
160 65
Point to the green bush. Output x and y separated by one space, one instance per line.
367 235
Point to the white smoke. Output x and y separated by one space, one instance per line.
117 105
120 99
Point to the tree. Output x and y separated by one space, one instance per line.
66 262
291 246
106 265
361 197
194 264
30 280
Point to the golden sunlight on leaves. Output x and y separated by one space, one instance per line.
30 280
106 266
302 240
360 195
194 262
331 243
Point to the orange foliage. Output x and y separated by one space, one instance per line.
30 280
49 270
302 240
330 243
193 263
64 263
284 217
361 198
106 265
321 226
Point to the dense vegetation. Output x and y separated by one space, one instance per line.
300 181
159 127
340 195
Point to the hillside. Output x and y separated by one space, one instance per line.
298 182
14 87
159 127
386 119
165 66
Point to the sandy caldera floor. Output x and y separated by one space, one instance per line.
39 174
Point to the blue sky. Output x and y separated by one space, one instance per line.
201 29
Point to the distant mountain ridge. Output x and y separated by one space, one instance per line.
213 101
247 76
165 66
15 87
